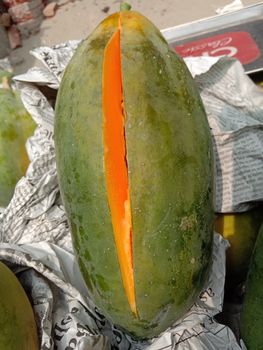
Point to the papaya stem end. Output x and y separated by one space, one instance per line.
124 6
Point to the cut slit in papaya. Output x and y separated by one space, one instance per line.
115 163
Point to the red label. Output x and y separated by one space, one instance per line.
233 44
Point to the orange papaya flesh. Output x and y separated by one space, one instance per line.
163 189
115 163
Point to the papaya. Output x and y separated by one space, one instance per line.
135 169
252 313
5 78
18 328
241 230
16 125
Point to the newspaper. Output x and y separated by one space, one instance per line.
67 319
234 106
5 64
34 232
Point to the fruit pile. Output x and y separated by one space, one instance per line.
135 166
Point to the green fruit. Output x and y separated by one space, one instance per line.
5 77
252 313
128 112
241 230
16 125
17 324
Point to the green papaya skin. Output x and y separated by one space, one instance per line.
16 125
252 313
17 324
170 166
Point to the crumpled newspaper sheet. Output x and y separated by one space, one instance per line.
234 106
35 235
5 64
67 319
